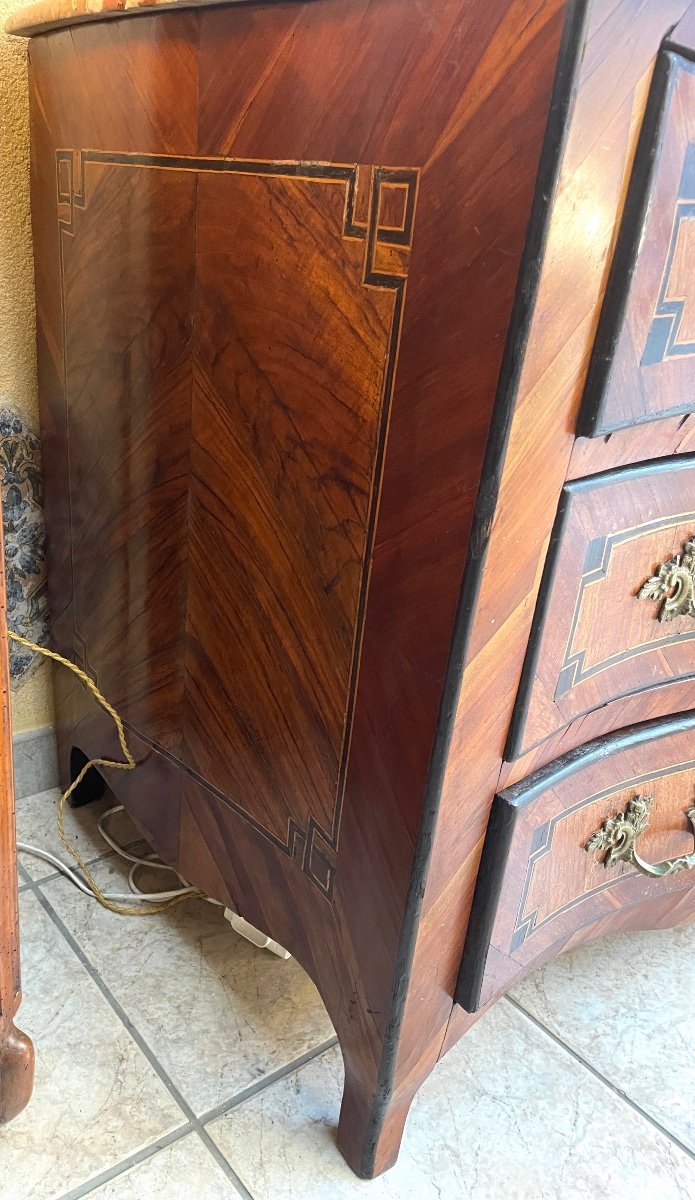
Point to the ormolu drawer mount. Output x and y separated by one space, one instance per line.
618 836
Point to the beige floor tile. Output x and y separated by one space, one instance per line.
96 1097
508 1115
218 1013
184 1171
36 824
625 1004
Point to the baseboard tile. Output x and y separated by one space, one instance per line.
35 761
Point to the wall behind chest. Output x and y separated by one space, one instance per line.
19 444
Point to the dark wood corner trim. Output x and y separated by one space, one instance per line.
563 96
488 889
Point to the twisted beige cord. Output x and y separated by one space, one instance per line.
145 909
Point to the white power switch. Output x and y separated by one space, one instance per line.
254 935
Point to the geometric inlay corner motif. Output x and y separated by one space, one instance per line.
527 922
379 211
677 577
672 330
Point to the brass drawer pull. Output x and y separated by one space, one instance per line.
618 836
674 583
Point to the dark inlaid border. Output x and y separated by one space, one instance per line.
315 847
598 555
592 417
662 340
506 809
543 843
570 672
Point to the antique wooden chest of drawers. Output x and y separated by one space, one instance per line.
366 337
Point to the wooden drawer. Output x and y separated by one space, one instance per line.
596 638
538 886
643 363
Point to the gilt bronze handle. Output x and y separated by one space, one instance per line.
618 836
673 585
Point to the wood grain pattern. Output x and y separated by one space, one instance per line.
316 652
644 358
128 330
260 460
286 469
593 639
16 1050
536 417
404 95
538 885
670 435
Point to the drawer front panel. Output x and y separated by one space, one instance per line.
643 365
602 630
539 886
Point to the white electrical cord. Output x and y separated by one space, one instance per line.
238 923
151 860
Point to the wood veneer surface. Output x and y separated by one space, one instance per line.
622 42
330 471
336 796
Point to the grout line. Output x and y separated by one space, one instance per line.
90 862
53 875
259 1085
194 1123
113 1002
132 1160
612 1087
222 1162
141 1043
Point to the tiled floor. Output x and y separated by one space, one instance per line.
176 1061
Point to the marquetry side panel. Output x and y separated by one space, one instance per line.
225 483
301 278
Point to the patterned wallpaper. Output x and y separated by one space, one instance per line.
25 573
32 693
